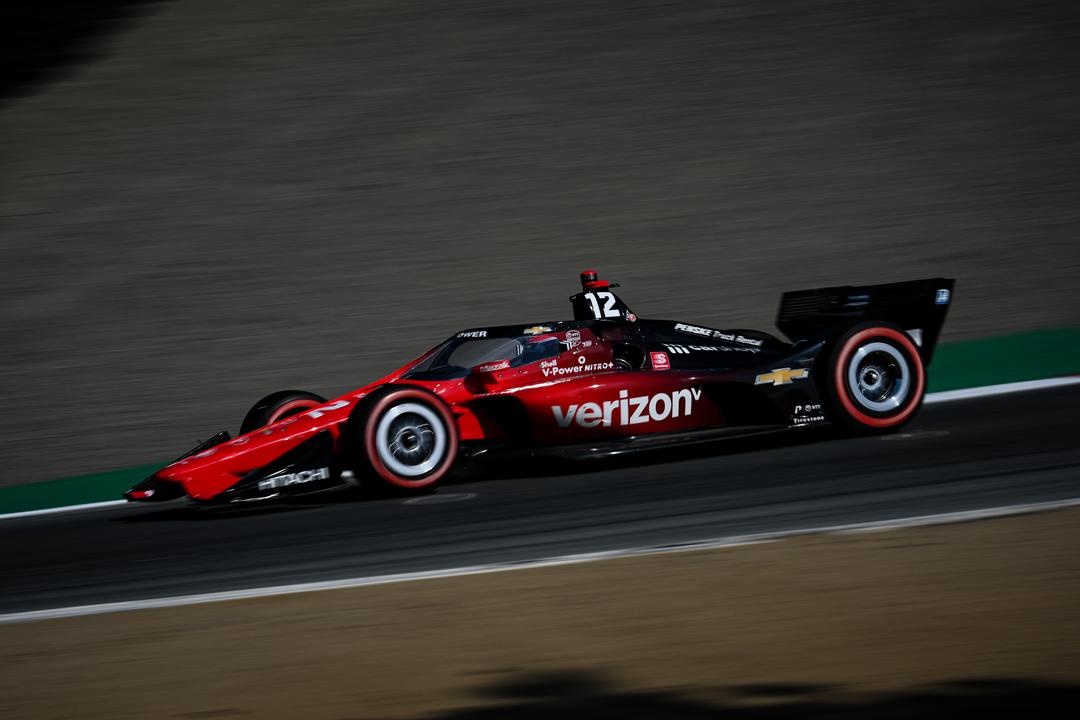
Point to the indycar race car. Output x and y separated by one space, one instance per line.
602 384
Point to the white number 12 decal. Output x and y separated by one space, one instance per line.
609 310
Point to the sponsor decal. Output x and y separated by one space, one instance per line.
554 370
731 337
942 297
807 414
314 413
693 329
718 334
473 333
631 317
687 349
323 409
536 330
573 338
660 361
782 376
549 363
857 300
296 478
493 367
628 410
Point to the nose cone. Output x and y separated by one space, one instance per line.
155 489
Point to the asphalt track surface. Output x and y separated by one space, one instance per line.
222 199
957 456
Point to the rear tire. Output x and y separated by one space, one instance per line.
403 438
278 406
874 379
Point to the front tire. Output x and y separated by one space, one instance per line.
278 406
875 379
403 438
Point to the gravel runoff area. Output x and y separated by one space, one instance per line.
224 199
974 619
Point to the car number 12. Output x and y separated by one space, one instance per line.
608 311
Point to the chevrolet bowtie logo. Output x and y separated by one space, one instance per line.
781 376
536 330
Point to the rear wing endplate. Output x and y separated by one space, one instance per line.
917 306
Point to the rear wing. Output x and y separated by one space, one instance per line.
917 306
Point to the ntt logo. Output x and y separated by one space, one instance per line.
629 410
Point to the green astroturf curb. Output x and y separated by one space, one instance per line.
1009 358
973 363
98 487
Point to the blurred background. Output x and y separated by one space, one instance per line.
202 201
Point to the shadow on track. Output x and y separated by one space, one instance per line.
44 39
542 464
517 467
187 511
585 694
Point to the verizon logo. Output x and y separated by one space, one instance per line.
629 410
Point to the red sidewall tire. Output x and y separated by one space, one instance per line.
294 407
384 403
278 406
839 387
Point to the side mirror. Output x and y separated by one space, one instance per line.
484 376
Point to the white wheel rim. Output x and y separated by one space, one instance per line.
878 377
410 432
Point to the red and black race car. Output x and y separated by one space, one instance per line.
604 383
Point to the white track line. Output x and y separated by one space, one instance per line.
989 390
63 508
931 398
724 542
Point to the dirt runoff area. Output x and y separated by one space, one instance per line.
929 622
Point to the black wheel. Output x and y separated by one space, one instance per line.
403 438
278 406
874 379
628 357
